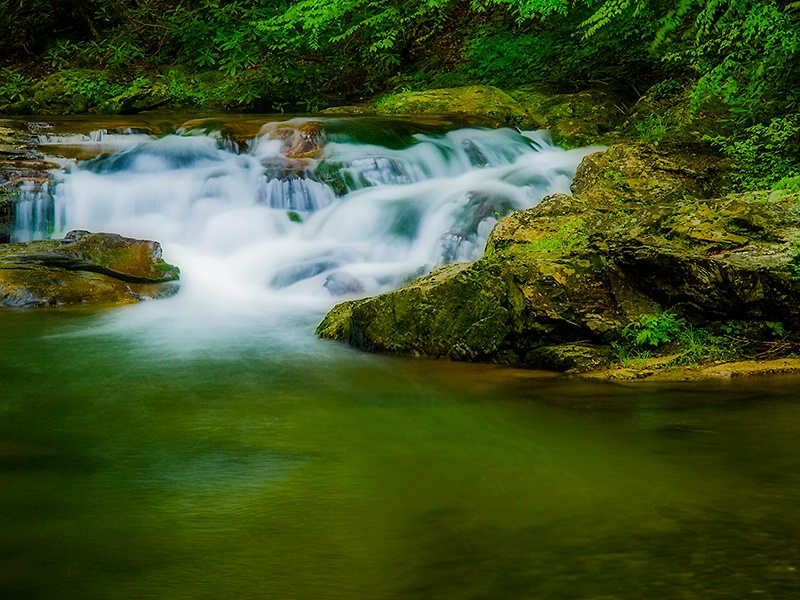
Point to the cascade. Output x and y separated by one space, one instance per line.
257 228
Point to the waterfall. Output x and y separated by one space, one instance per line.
255 227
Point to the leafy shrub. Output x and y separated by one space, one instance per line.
13 85
654 330
651 128
665 329
765 154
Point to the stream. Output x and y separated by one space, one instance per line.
209 446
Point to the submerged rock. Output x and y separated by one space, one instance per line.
83 268
302 138
560 281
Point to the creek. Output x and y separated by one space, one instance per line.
209 446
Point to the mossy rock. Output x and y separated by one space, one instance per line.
428 317
56 94
559 282
83 268
639 173
477 100
6 215
666 114
578 119
136 100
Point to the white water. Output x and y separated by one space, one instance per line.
229 219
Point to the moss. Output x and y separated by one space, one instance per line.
478 100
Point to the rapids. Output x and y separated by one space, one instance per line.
256 233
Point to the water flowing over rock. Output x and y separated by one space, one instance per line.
83 268
559 281
296 213
23 172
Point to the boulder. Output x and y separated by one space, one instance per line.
136 100
578 119
83 268
302 138
475 100
559 282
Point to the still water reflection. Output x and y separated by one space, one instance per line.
256 470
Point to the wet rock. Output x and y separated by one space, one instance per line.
342 284
6 216
83 268
302 138
559 282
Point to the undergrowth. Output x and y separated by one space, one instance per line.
663 333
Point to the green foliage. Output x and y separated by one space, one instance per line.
652 128
794 266
790 184
765 154
13 85
743 54
96 87
663 329
547 48
655 330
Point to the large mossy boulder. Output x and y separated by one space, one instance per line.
133 101
581 118
575 119
83 268
559 282
475 100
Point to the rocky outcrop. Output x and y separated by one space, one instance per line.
83 268
574 119
559 283
475 100
148 97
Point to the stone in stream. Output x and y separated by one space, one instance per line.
560 282
83 268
